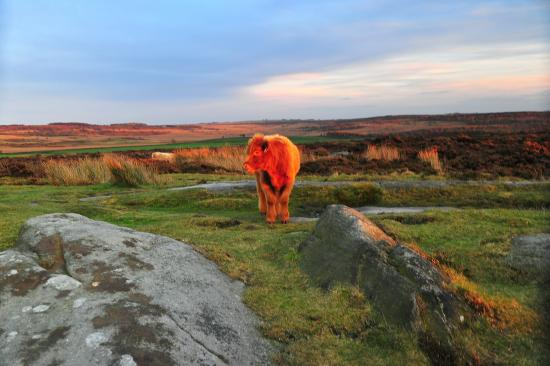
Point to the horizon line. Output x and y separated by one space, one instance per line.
261 120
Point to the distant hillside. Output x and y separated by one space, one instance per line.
71 135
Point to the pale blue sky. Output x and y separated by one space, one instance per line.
195 61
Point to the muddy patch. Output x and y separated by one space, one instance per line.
220 224
130 243
50 253
78 248
412 220
148 343
106 279
210 325
227 223
81 270
21 284
34 348
135 263
62 294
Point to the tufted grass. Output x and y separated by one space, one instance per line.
226 158
382 152
130 172
339 326
76 172
431 156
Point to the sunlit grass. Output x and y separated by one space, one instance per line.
227 158
130 172
77 172
382 152
431 156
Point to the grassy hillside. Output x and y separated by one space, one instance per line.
230 141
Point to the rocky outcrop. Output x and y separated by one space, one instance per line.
80 292
531 254
404 285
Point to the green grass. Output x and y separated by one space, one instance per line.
313 327
229 141
472 195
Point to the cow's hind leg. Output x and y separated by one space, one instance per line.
262 204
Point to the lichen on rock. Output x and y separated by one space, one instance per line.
76 291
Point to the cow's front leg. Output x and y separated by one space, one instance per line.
262 205
271 200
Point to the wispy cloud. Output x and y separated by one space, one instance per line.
442 77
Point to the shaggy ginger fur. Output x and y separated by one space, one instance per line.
275 161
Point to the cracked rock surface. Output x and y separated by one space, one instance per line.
76 291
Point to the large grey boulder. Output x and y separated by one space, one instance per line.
530 253
405 286
82 292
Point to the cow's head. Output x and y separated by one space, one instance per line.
257 151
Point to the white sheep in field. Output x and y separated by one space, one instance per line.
163 156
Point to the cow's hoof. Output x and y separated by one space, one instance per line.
262 213
284 221
270 222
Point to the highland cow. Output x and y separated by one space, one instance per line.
275 161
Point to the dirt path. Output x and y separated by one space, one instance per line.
381 183
377 210
221 186
367 210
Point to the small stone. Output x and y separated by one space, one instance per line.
36 336
12 272
11 336
461 318
63 283
40 308
95 284
26 309
530 253
79 302
127 360
95 339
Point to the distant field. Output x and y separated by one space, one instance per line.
230 141
86 137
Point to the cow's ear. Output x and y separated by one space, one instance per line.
265 146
